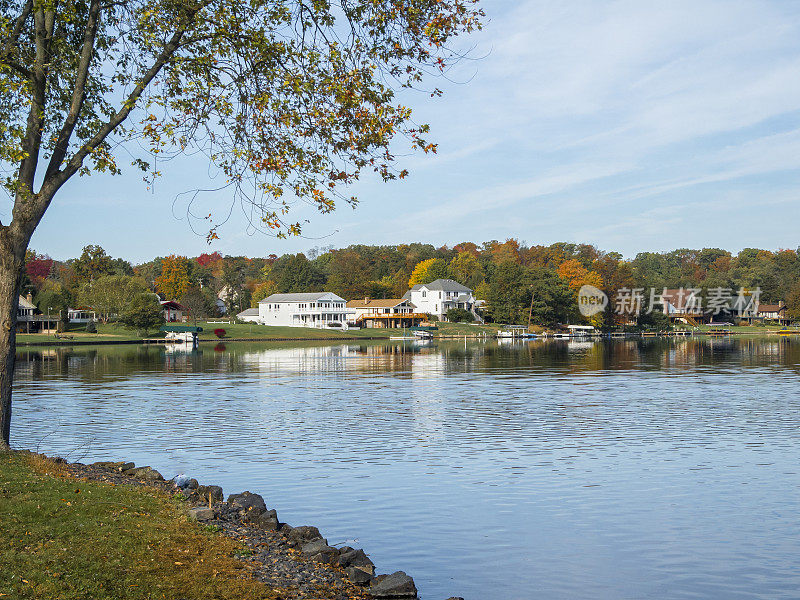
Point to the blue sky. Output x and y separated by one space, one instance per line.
630 125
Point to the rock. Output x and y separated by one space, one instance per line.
267 521
396 585
204 491
250 503
145 473
320 551
357 559
151 475
304 533
125 466
201 513
192 485
358 576
105 464
181 482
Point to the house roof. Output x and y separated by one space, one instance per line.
23 303
375 303
172 304
443 285
763 308
301 297
250 312
679 298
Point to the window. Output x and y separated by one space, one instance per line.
424 294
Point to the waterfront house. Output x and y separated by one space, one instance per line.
26 308
80 315
439 296
385 313
30 319
773 312
173 312
683 304
250 315
309 309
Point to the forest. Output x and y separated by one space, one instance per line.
513 278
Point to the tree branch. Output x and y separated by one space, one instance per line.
79 90
58 178
33 132
12 40
27 73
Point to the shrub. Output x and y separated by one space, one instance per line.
220 333
91 327
460 315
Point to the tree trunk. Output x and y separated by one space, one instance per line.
11 264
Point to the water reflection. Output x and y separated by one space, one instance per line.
629 468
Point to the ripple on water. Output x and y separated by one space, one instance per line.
661 468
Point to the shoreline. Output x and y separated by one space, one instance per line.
160 342
295 560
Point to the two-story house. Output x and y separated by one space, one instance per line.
437 297
385 313
310 309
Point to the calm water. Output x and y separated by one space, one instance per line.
631 469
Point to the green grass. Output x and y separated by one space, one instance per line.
105 332
68 539
255 331
755 329
461 329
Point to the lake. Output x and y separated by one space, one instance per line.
653 468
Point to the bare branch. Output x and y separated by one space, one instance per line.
33 133
79 90
58 178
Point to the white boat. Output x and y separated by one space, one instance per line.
515 332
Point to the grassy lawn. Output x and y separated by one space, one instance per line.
70 539
255 331
752 329
105 332
446 329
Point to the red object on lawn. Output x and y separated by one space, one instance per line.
220 333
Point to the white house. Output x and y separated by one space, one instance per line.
312 309
249 315
437 297
79 315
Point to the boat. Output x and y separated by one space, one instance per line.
718 330
582 331
423 332
515 332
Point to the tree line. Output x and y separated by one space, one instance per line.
517 281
